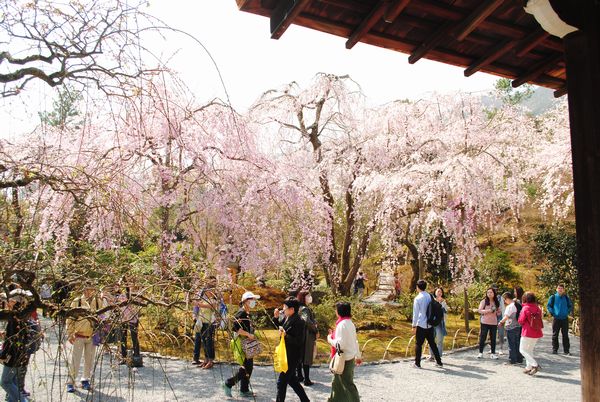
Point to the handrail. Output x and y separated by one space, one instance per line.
388 346
454 337
469 334
367 342
408 346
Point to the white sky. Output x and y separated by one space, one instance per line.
251 63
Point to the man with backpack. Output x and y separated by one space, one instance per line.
427 313
510 322
559 307
79 331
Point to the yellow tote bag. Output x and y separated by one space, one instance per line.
280 363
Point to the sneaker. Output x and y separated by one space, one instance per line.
567 353
85 385
308 383
247 394
439 365
415 365
555 352
70 388
493 356
501 353
197 363
480 355
227 390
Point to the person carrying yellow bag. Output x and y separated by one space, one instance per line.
280 363
292 333
242 326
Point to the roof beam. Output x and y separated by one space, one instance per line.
537 70
498 51
438 37
531 41
561 91
462 28
365 26
285 13
394 10
484 10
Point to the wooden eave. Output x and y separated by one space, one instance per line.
493 36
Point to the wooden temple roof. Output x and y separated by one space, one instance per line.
493 36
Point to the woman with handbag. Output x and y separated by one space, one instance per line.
242 326
345 353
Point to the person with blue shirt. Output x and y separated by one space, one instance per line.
559 307
421 328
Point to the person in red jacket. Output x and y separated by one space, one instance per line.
531 324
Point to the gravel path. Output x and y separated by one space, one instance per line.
463 378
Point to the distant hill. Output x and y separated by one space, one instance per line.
541 100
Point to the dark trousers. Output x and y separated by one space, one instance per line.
206 338
243 376
559 325
306 375
492 329
428 334
514 340
289 378
133 328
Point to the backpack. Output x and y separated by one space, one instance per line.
535 320
435 313
519 307
33 336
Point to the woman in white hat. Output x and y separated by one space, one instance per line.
242 326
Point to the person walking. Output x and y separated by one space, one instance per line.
489 308
359 284
510 322
79 334
420 326
293 332
531 324
559 307
242 326
130 321
205 317
440 329
310 337
13 353
344 338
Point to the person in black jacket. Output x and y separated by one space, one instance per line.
14 348
293 331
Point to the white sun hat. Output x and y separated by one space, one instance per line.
249 295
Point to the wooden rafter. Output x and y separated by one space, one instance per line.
484 10
285 13
460 30
495 53
366 24
537 70
531 41
437 38
394 10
